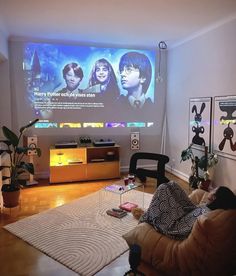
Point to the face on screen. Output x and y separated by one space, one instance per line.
130 78
72 81
102 73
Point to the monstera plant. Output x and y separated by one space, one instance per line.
204 163
12 171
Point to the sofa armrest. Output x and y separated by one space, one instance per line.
156 248
211 246
210 249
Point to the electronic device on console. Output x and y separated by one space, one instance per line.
66 145
103 143
85 140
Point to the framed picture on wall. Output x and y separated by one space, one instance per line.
224 126
200 110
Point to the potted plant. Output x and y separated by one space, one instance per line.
17 166
203 163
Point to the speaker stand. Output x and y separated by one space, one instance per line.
31 180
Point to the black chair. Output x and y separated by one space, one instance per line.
142 173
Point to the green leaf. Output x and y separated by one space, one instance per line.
7 151
22 182
28 167
202 164
38 151
20 172
11 136
20 150
186 154
7 142
28 125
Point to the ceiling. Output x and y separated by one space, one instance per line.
114 22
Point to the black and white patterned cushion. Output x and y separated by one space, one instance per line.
171 212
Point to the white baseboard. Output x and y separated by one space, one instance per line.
41 175
177 173
150 167
125 169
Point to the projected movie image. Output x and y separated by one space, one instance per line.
67 85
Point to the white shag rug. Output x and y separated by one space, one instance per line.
80 235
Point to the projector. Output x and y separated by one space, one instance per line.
65 145
103 143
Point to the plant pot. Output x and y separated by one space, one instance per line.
11 199
205 184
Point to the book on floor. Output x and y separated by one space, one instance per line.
117 214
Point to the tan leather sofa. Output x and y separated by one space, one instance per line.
210 249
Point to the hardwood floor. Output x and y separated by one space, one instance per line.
19 258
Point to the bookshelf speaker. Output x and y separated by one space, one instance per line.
134 140
32 143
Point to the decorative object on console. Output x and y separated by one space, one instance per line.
203 163
85 140
17 166
60 154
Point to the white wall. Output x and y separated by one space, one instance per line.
202 67
3 46
5 102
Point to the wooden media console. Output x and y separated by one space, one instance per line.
84 163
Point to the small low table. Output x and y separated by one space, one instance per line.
120 189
